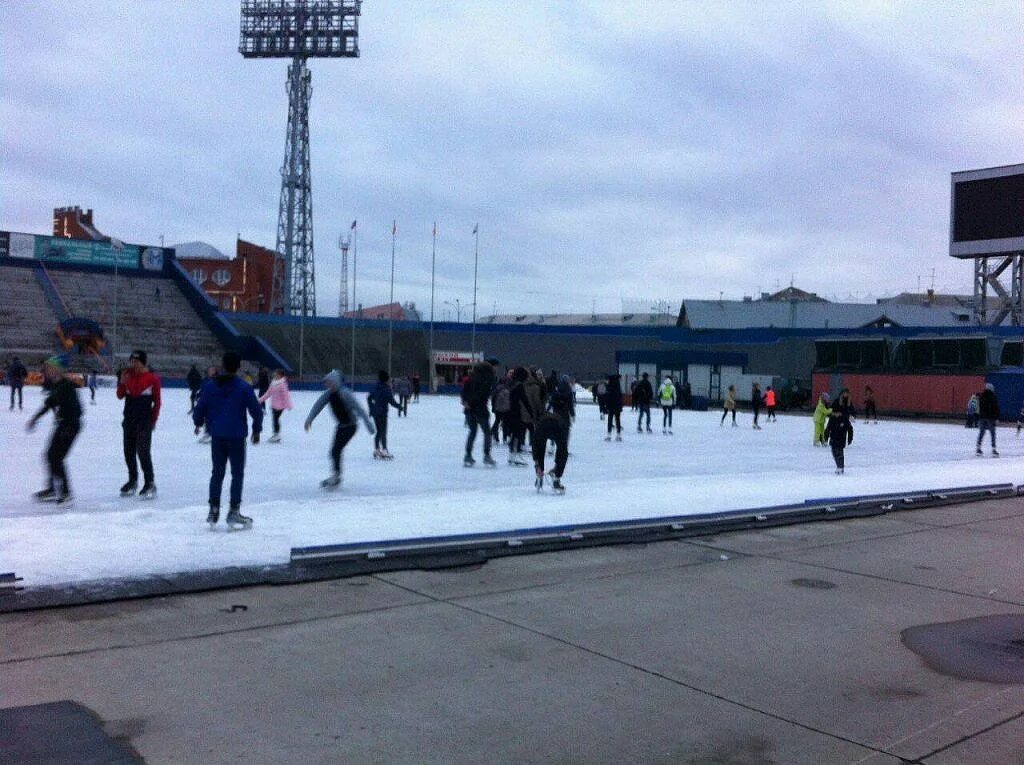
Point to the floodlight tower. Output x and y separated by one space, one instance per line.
299 30
343 244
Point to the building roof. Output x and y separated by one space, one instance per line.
730 314
202 250
584 319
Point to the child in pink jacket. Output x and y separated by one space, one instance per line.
280 399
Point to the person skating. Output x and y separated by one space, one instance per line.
262 385
988 416
501 404
972 411
16 374
475 395
378 400
839 434
534 388
415 380
554 426
667 402
519 408
221 408
280 401
643 394
729 405
62 398
90 380
140 389
195 382
345 409
870 409
756 399
845 404
613 406
821 413
403 390
770 403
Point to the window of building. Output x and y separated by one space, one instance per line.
198 275
221 277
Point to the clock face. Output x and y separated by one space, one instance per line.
153 258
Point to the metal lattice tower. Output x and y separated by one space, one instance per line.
343 244
299 30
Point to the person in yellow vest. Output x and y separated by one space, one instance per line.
821 413
667 402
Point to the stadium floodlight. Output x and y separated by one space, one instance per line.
297 29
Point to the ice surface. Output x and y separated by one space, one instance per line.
425 490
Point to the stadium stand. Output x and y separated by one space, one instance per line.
26 320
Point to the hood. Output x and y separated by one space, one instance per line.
334 377
224 378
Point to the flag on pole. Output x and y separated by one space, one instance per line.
353 226
394 228
475 227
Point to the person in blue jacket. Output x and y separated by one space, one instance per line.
221 408
379 399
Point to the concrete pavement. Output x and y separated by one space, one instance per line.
782 645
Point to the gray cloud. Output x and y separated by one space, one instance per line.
608 150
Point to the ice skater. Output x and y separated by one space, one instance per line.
519 409
667 402
345 409
821 413
554 426
643 394
988 416
613 406
729 406
16 374
90 380
280 401
221 408
972 411
378 400
756 399
475 394
839 434
62 398
403 390
770 402
140 389
870 409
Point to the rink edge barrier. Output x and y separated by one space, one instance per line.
466 549
324 562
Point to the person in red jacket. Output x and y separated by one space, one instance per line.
140 389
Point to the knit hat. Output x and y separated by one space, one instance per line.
990 386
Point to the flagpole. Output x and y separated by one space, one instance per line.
391 301
433 261
355 250
476 260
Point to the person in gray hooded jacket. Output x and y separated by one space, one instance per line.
346 409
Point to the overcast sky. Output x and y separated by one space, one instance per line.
609 150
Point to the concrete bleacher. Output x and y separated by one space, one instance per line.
152 314
27 322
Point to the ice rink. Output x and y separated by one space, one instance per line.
426 491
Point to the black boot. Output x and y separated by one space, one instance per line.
214 515
128 490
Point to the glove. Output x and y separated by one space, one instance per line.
255 437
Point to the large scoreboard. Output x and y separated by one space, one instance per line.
987 212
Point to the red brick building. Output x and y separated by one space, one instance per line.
73 223
242 284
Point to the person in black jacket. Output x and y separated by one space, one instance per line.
988 415
613 405
554 426
519 405
16 374
475 395
262 385
643 394
63 400
839 434
195 382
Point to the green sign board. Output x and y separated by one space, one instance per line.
85 251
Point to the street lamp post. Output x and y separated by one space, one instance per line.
355 249
391 299
118 247
476 259
457 305
430 359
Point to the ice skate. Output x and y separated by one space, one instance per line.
995 453
63 497
489 461
468 461
236 520
378 454
46 495
148 491
204 439
274 439
735 425
332 481
556 484
618 438
978 452
649 429
386 455
538 482
214 515
608 437
128 490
